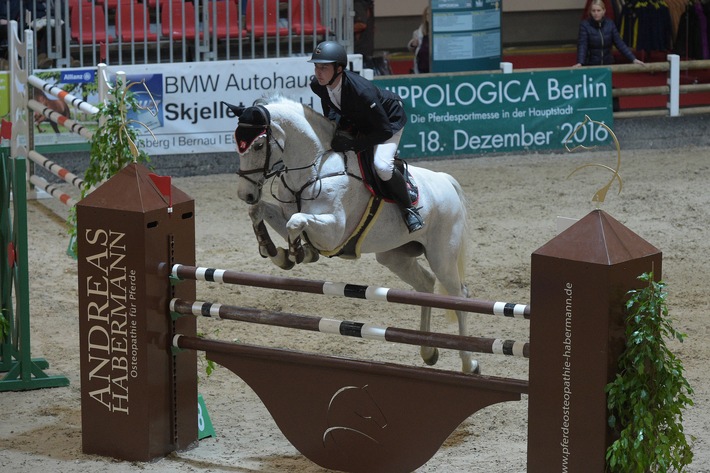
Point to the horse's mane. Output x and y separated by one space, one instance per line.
320 124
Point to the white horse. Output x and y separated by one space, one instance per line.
322 200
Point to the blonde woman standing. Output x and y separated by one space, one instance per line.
597 34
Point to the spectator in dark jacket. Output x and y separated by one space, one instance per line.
597 35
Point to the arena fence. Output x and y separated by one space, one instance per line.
81 33
30 105
673 89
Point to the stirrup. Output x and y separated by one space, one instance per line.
412 219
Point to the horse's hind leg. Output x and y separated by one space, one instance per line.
410 271
450 278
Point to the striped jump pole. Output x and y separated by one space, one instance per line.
478 306
67 123
56 117
57 170
52 190
70 99
351 329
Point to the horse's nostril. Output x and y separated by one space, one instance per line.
250 199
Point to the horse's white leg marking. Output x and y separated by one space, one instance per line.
325 227
271 214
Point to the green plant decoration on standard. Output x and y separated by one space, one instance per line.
647 399
113 144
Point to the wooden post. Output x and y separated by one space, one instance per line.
130 405
578 294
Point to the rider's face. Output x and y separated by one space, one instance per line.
324 72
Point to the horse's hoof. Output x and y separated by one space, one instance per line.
431 359
474 368
311 255
281 260
288 264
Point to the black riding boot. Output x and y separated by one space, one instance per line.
397 188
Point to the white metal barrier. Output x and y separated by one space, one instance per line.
23 109
80 33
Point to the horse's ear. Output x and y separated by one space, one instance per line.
237 109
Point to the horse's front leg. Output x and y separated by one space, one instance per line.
272 214
324 228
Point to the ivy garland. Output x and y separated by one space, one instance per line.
648 396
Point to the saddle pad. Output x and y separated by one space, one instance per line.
366 160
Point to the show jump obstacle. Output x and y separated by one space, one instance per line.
139 393
18 370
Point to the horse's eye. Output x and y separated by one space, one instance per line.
258 146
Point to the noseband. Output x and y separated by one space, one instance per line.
267 170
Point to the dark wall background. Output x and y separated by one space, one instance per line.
517 28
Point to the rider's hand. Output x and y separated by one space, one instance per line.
342 142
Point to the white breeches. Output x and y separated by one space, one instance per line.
384 156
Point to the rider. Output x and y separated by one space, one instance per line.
375 115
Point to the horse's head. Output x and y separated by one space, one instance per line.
258 159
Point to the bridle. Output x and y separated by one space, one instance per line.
279 169
267 170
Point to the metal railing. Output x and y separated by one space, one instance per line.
672 89
79 33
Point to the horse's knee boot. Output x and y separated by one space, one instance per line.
296 253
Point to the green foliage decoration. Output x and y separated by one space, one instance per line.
4 326
209 365
113 144
647 398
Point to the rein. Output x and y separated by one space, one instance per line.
297 194
279 169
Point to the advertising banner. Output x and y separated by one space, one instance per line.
452 115
472 114
181 104
187 114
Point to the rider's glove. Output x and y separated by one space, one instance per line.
342 141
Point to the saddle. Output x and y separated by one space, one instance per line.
350 249
366 160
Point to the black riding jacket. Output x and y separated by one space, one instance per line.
375 114
595 40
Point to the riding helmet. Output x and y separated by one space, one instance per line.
330 51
